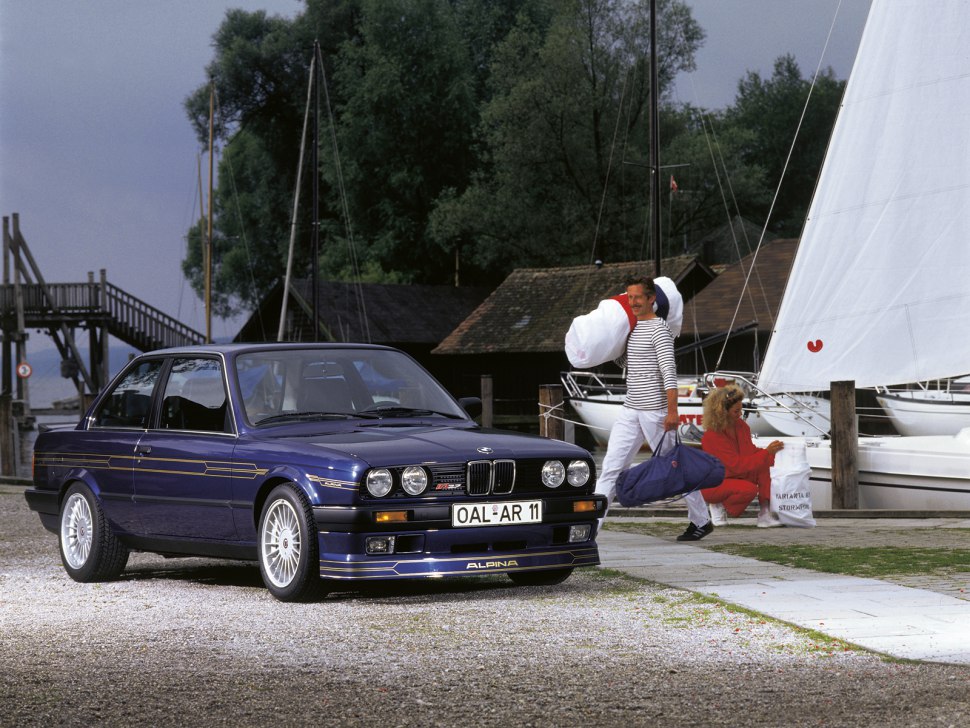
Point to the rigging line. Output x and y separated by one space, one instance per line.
296 204
717 157
784 170
345 208
227 158
606 184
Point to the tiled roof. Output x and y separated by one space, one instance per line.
377 312
716 309
532 308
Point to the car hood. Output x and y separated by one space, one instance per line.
390 445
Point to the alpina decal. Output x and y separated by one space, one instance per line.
815 346
504 564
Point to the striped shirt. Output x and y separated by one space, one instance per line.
650 366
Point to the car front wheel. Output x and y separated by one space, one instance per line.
90 551
289 558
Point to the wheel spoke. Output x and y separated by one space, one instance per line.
281 543
77 532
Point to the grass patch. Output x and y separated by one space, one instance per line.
865 561
869 561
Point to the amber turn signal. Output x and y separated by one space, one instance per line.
391 516
584 506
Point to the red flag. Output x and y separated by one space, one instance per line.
673 184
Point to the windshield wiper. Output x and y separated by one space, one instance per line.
397 411
305 416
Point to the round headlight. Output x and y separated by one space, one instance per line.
379 482
577 473
553 473
414 480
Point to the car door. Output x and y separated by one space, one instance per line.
183 464
106 447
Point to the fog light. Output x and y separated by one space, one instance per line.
380 544
584 506
579 533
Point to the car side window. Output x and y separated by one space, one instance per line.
130 401
195 397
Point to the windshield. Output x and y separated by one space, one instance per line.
294 384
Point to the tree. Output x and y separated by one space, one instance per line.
405 128
714 181
566 108
771 110
260 77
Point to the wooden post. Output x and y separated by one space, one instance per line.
105 343
845 447
8 465
550 411
488 401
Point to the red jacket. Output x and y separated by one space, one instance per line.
735 449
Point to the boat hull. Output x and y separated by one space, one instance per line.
929 473
599 414
927 412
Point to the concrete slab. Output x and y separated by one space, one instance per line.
899 621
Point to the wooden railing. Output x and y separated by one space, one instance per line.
128 318
147 322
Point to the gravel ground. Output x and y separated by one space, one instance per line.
201 642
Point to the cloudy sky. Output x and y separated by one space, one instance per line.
99 160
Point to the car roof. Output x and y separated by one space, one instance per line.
234 349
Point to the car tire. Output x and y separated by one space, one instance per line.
90 551
545 577
289 550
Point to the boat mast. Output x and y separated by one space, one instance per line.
314 167
208 242
654 139
296 204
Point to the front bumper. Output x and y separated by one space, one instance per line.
427 545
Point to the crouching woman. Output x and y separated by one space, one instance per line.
746 467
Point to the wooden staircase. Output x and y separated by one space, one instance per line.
27 301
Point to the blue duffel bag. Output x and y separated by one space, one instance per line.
670 473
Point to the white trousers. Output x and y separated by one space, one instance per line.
631 430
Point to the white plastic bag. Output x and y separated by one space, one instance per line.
791 492
600 335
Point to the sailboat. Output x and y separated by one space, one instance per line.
928 408
879 293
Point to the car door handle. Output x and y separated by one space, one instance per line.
143 450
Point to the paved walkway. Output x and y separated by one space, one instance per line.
911 622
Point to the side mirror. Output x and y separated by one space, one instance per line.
471 405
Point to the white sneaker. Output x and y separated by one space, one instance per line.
718 514
769 520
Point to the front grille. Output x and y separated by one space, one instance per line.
504 476
487 476
479 480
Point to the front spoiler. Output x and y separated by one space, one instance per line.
408 566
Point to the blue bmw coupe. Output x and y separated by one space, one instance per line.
321 462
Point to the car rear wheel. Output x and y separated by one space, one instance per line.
289 558
90 551
545 577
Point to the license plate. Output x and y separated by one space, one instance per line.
496 514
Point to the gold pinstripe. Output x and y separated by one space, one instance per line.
204 468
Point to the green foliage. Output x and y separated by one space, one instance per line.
772 111
479 136
567 105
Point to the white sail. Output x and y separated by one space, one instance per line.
880 289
